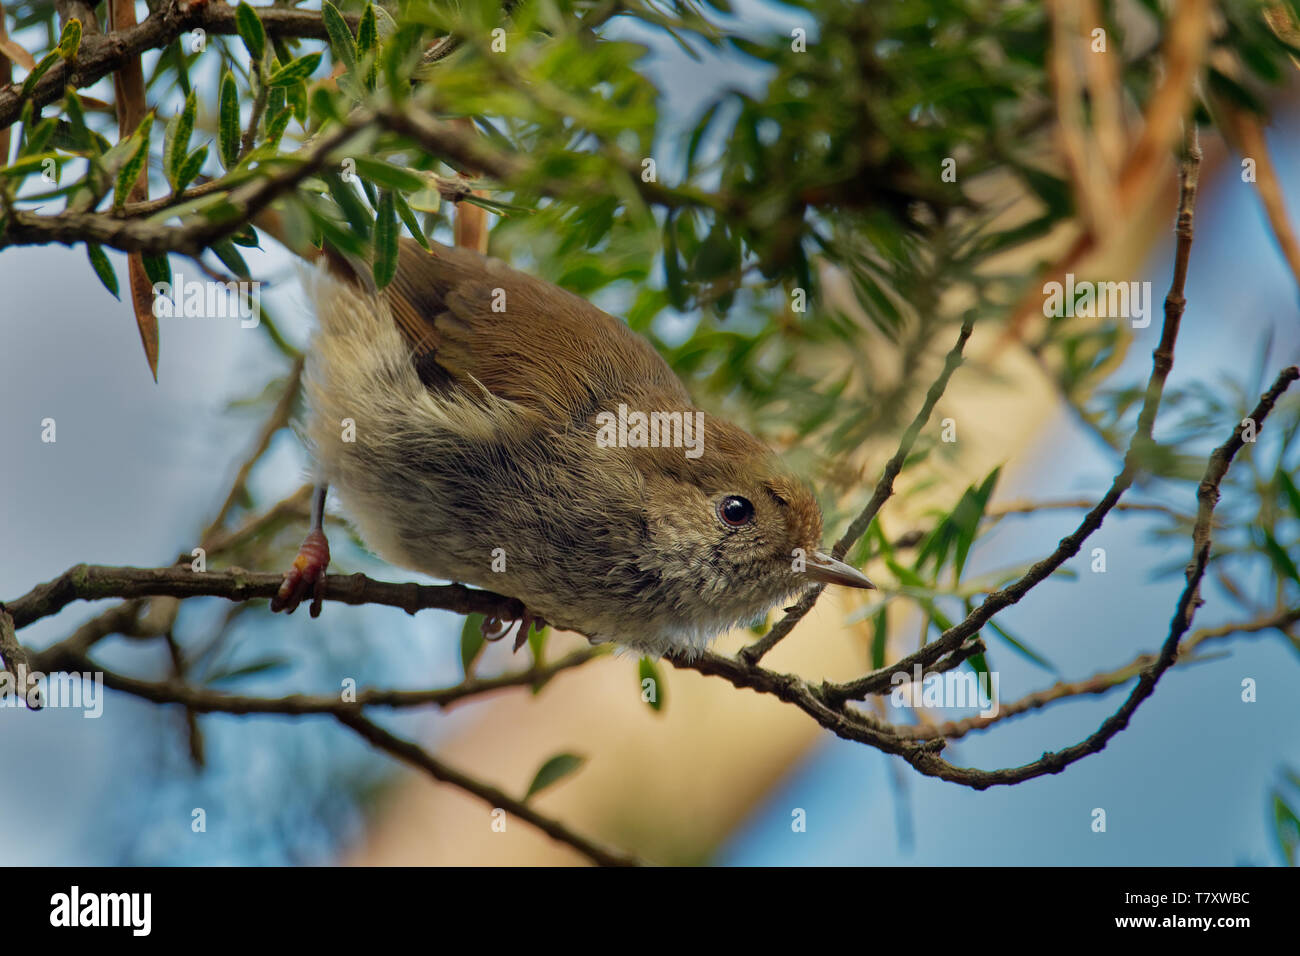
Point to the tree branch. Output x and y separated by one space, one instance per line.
1162 361
1207 497
102 54
92 582
754 652
409 753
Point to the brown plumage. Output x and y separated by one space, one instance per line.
464 417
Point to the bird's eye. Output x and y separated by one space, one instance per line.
735 511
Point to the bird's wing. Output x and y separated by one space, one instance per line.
528 341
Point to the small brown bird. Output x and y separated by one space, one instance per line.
483 426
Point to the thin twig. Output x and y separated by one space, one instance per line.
754 652
1207 497
1162 361
493 796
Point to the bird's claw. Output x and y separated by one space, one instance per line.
494 628
307 576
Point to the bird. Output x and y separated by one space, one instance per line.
483 426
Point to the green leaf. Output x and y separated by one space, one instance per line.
1286 827
38 137
130 171
368 46
157 267
322 106
251 31
225 251
103 268
192 166
228 133
408 217
275 128
718 255
1023 649
27 165
1282 562
673 280
967 517
472 642
70 39
176 140
81 134
537 647
39 71
388 176
554 770
297 95
367 31
295 70
385 265
427 199
341 42
879 638
354 210
1289 489
246 237
648 670
262 666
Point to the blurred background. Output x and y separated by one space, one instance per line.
717 775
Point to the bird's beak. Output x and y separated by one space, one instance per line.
827 570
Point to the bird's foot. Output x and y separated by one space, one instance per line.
494 628
307 576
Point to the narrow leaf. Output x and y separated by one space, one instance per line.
228 121
70 39
389 176
408 217
103 268
157 267
367 31
385 265
554 770
295 70
472 642
130 171
341 42
40 70
251 31
652 684
176 140
191 168
229 255
1282 562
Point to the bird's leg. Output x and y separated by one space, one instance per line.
308 572
494 628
